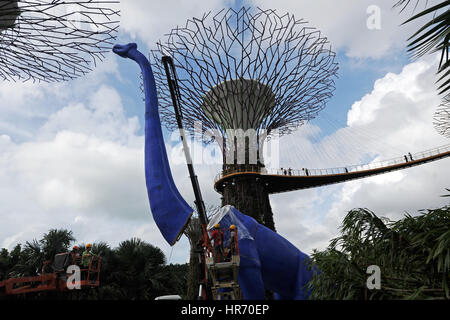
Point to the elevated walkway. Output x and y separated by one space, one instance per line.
55 280
279 181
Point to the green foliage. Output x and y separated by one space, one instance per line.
413 254
135 270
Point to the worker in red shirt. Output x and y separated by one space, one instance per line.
217 237
75 255
233 243
233 239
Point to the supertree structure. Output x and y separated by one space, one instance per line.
442 117
246 71
54 40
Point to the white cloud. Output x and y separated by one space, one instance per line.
76 170
103 117
72 157
25 107
344 23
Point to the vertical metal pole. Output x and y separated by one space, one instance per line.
176 97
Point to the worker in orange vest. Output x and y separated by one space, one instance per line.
87 255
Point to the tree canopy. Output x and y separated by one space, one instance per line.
135 270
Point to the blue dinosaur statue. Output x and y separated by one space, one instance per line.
267 260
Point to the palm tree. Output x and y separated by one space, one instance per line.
31 260
441 118
56 241
8 260
432 37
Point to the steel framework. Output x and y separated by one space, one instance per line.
221 53
406 3
54 40
442 117
245 69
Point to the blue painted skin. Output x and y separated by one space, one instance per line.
267 262
170 211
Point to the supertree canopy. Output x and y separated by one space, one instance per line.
54 40
245 69
442 117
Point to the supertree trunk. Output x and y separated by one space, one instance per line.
194 233
243 70
55 40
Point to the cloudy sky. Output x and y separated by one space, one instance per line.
71 154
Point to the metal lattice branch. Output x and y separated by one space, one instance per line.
442 117
54 40
279 69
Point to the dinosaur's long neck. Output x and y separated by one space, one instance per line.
170 211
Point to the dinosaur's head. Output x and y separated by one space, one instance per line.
122 50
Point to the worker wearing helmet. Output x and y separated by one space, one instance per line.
87 255
75 254
217 237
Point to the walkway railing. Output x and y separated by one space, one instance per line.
407 158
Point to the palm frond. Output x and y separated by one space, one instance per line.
413 254
432 37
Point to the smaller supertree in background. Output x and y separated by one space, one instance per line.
442 117
54 40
